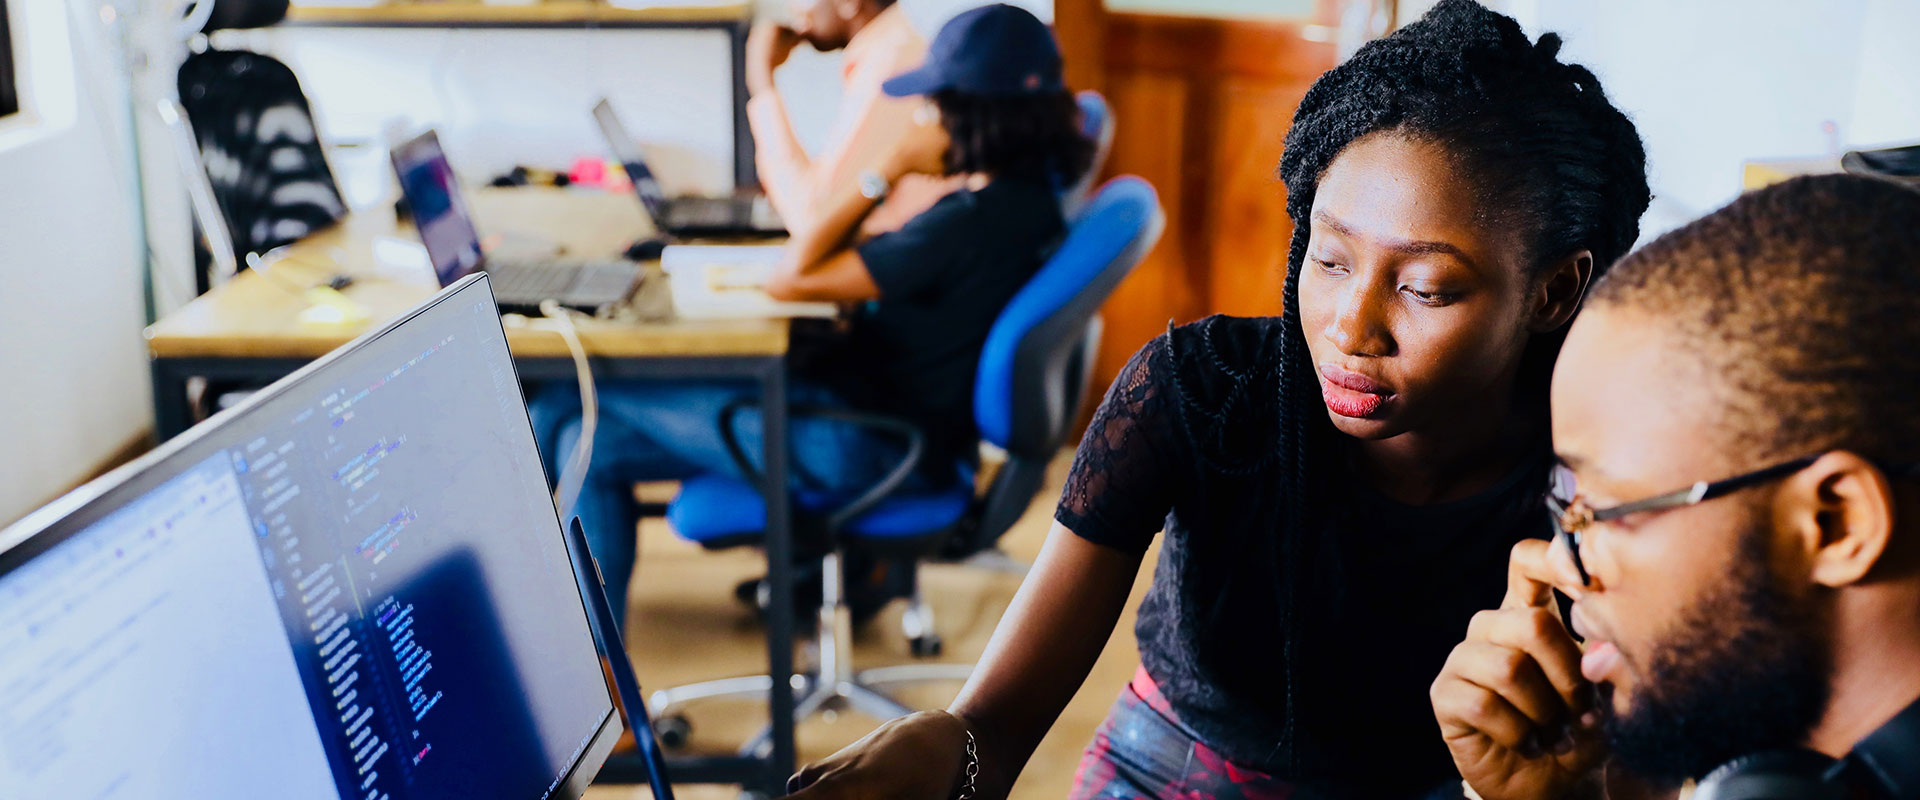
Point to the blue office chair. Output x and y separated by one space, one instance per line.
1096 122
1032 380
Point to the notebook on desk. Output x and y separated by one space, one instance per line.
729 282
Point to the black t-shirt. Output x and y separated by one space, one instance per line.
1183 441
944 278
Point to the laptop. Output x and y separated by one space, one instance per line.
685 216
453 244
353 585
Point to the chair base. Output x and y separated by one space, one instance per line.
833 686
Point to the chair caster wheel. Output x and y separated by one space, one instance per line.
674 731
926 646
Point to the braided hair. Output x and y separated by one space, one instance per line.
1557 161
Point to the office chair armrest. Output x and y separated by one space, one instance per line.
915 439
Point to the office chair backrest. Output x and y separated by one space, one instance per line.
241 14
1096 123
260 148
1035 363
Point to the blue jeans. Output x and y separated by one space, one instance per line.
669 430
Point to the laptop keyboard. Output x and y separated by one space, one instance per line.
708 212
582 284
527 280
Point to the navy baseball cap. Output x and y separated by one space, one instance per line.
997 50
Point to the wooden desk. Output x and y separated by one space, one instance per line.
250 330
254 316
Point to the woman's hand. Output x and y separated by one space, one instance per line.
1513 708
916 757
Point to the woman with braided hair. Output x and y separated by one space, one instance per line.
1339 485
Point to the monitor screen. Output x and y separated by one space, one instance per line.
627 150
439 211
353 586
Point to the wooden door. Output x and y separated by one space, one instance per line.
1202 106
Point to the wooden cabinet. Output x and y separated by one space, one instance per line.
1202 107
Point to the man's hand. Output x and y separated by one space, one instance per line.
768 46
1513 707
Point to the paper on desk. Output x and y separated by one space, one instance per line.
727 282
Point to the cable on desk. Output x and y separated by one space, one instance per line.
573 474
264 264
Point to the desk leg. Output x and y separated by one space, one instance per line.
773 391
745 175
171 414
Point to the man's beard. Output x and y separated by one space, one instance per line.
1745 670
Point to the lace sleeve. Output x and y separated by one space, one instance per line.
1124 474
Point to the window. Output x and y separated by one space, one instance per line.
9 88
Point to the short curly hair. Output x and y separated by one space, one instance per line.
1803 299
1034 136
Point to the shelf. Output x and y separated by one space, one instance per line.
553 14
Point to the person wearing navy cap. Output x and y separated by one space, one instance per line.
998 119
998 122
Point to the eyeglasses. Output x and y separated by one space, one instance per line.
1572 516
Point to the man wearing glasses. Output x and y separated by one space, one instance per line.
1739 523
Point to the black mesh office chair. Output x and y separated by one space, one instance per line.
256 143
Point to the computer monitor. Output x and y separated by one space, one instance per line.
438 208
352 586
627 149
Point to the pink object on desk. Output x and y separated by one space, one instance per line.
587 172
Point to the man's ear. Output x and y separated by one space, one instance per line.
1839 512
1560 291
847 9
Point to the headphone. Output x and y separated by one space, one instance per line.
1886 764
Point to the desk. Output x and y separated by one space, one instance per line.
248 329
732 17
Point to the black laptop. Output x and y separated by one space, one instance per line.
453 244
685 216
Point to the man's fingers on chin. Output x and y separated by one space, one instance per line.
1541 634
1470 706
1517 678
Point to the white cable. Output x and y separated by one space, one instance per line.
573 475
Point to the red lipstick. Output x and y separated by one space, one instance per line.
1351 394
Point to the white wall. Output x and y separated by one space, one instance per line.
70 348
1714 83
502 98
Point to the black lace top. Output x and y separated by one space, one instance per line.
1182 441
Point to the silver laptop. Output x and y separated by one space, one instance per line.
684 216
351 587
453 244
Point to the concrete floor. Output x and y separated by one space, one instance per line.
684 626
